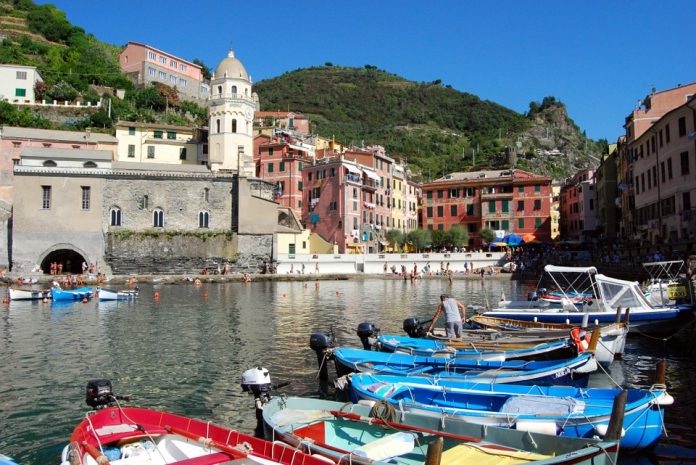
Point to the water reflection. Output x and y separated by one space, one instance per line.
185 351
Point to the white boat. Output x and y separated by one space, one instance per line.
610 296
29 294
110 294
664 287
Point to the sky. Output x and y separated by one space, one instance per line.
598 57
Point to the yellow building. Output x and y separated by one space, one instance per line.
398 207
555 211
156 143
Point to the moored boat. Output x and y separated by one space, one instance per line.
610 295
111 294
356 433
430 347
566 411
573 371
80 293
29 294
138 436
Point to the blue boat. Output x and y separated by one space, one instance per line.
5 460
80 293
565 411
572 372
432 347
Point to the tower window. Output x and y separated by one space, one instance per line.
217 125
234 125
234 90
220 90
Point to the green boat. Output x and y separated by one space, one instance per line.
366 435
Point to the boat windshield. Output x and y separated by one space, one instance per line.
618 293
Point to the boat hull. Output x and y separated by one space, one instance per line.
72 294
280 422
29 294
572 372
564 411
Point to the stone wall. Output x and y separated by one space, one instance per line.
148 253
253 251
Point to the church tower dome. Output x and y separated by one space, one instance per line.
231 117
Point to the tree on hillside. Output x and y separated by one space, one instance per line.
204 68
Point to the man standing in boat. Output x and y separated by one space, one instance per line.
454 316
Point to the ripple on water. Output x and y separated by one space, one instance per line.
185 353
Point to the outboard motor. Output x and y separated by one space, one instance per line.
319 342
100 393
257 382
366 330
532 296
413 327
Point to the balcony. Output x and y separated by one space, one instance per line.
369 184
354 179
496 195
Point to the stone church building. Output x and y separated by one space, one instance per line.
74 203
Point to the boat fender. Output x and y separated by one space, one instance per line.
536 426
323 458
369 403
664 399
581 339
601 430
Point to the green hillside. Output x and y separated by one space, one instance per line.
435 127
77 66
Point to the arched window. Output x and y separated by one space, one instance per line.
50 163
115 216
246 92
217 125
203 218
234 125
234 90
89 164
158 218
220 90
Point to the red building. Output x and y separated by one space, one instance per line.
279 160
513 201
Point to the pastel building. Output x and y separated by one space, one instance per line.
146 65
502 200
285 120
555 211
579 206
664 177
280 161
157 143
17 83
635 148
607 194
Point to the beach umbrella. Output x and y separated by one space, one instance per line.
513 240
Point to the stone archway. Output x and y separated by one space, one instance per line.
70 258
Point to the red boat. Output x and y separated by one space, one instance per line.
136 436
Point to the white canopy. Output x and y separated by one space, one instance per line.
570 269
371 175
353 169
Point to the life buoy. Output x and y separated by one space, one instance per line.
581 339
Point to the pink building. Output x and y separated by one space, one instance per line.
13 140
145 65
281 162
286 120
638 147
578 206
664 178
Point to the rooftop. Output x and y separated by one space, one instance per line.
10 132
162 52
66 154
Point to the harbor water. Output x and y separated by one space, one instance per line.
185 352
